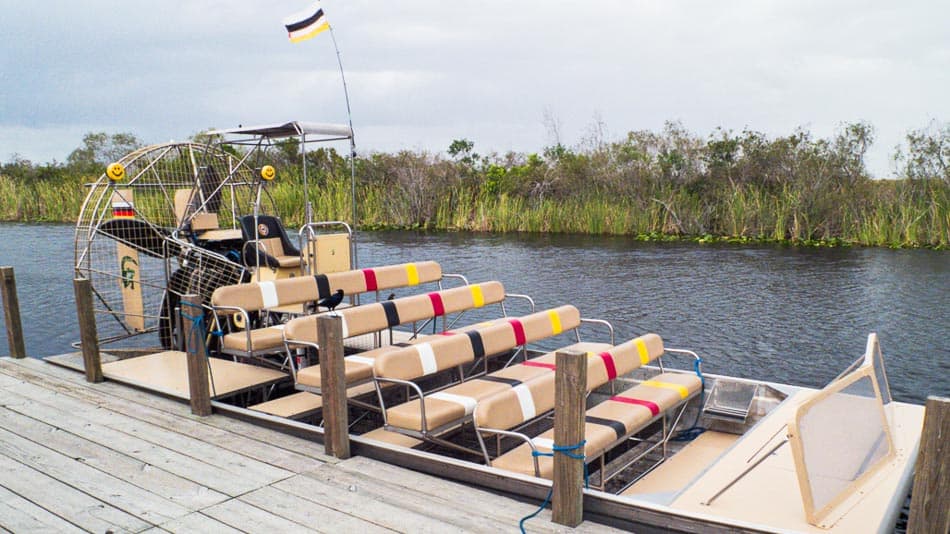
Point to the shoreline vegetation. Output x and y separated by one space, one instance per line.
669 185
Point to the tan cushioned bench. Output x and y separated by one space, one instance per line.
262 339
603 365
608 422
459 401
446 352
382 315
359 367
257 296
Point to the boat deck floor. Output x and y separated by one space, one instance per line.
672 475
107 457
769 493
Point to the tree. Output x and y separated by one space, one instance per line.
99 149
928 153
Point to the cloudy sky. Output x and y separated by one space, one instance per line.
422 73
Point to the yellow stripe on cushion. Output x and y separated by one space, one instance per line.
642 350
555 322
412 273
478 299
676 387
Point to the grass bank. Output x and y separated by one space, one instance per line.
666 185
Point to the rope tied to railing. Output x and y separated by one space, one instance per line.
198 333
695 430
566 450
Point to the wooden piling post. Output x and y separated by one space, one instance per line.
11 313
567 504
335 420
930 498
198 387
88 335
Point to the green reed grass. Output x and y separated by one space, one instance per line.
896 213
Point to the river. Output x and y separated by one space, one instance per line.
785 314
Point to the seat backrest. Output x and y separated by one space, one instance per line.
204 221
496 337
183 206
512 407
270 233
378 316
504 410
617 361
256 296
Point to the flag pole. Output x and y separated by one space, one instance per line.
349 118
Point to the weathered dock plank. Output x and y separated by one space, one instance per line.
21 515
323 514
119 493
410 512
194 522
243 516
127 400
238 438
76 507
106 457
199 470
147 476
236 463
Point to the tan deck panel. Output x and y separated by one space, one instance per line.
220 235
297 405
393 438
673 474
769 494
167 372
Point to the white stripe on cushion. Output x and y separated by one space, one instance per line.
361 359
426 358
525 400
268 294
467 402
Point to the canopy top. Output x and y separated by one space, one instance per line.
291 129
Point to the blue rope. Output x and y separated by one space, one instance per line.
565 450
198 331
695 430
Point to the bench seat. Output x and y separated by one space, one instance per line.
459 401
293 293
262 339
358 368
609 422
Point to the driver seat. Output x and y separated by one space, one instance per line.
268 243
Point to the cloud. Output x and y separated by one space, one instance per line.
426 72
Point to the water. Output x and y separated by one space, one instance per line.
782 314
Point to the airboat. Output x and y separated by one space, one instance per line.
449 378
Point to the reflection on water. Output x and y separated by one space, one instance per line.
782 314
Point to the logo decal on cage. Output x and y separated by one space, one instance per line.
262 230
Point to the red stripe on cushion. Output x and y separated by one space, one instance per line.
654 409
532 363
370 276
609 364
447 333
518 328
437 308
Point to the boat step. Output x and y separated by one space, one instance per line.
393 438
297 406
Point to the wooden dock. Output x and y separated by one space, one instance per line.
105 457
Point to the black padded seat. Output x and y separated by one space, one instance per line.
273 248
